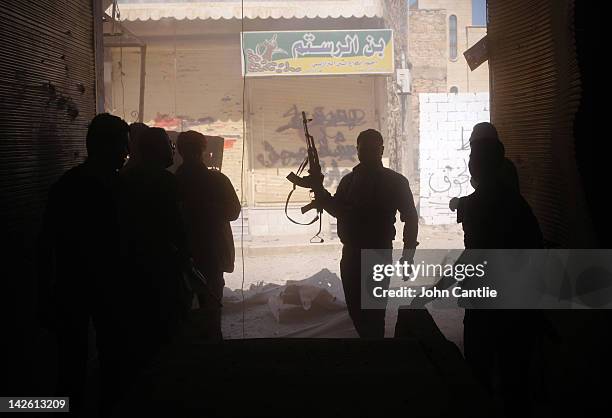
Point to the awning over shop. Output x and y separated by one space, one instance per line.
252 10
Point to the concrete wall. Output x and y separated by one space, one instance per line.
445 126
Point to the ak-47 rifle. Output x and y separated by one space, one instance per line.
310 181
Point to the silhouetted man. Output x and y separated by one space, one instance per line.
153 246
365 204
488 132
508 175
80 258
209 203
496 216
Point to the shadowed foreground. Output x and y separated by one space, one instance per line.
309 377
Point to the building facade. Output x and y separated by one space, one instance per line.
194 80
447 100
454 19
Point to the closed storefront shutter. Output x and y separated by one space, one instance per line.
47 98
341 107
190 85
535 92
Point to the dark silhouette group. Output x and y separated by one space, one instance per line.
115 250
119 241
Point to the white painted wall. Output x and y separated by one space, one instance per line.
445 125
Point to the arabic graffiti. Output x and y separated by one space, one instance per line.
449 182
327 128
333 175
340 152
179 122
272 156
334 118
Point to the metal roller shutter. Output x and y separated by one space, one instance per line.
535 92
348 106
47 97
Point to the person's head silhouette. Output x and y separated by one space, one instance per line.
107 141
486 158
191 145
155 148
370 147
484 130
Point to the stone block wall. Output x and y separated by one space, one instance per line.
445 125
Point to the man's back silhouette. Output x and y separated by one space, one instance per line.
80 259
366 203
209 203
152 246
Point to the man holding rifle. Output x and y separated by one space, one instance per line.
365 205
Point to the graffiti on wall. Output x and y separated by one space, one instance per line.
445 126
179 122
330 129
330 119
448 182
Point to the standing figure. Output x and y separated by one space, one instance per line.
79 261
366 203
209 203
499 343
153 247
